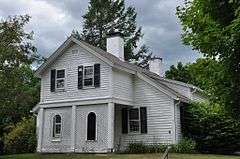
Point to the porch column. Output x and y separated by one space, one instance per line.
110 127
73 136
40 130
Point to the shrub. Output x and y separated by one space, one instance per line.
212 128
137 148
22 138
186 145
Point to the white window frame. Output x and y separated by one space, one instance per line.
88 78
56 136
139 121
64 80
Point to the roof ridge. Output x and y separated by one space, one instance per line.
143 70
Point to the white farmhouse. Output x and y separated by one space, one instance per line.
92 101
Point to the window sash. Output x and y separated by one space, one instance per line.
88 76
134 123
57 127
60 73
60 85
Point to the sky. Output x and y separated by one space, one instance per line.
53 21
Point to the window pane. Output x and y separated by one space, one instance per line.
60 83
58 119
56 126
60 73
88 82
88 73
134 114
134 126
58 129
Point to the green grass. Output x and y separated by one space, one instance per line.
115 156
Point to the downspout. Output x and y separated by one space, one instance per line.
176 103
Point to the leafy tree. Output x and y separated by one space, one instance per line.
179 73
22 137
213 28
19 89
213 129
106 16
205 73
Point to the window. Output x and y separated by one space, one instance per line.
91 126
88 76
134 120
57 124
60 80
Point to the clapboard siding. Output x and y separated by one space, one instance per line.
100 145
70 63
122 85
160 118
48 145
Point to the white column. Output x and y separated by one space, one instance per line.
110 126
40 129
73 136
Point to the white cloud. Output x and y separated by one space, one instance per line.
51 25
53 20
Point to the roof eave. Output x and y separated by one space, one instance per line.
58 52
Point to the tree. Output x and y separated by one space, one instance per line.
213 28
179 73
205 73
19 89
106 16
22 137
212 128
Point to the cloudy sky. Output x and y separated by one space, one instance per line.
53 20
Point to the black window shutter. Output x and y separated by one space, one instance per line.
97 75
124 120
80 77
53 79
143 118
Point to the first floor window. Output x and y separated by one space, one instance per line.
57 125
91 126
60 79
88 76
134 120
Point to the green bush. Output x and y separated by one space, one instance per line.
22 138
184 146
137 148
213 129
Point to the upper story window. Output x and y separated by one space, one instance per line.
88 76
57 126
57 80
60 80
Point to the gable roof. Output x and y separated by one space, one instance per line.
117 63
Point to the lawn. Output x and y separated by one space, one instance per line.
116 156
